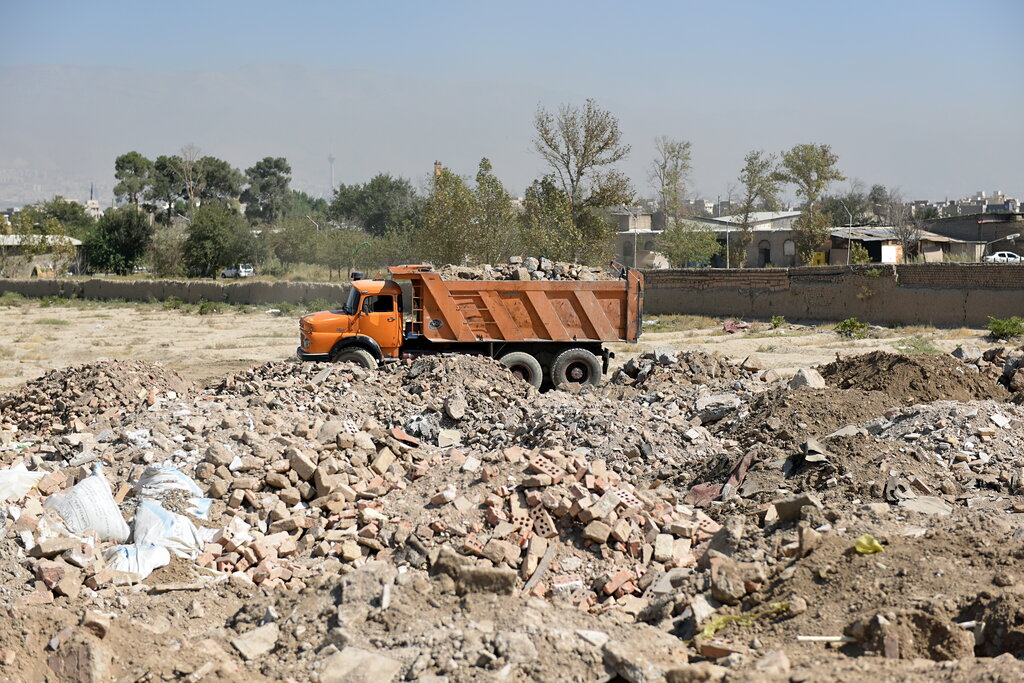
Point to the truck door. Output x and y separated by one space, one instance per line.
379 318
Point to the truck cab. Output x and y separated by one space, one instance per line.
370 321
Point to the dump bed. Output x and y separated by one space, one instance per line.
523 311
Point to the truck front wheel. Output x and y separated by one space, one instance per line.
576 366
360 357
524 366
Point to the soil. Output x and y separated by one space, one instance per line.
911 379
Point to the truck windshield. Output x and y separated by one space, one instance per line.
351 303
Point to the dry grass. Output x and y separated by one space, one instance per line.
679 323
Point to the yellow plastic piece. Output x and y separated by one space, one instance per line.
720 622
867 545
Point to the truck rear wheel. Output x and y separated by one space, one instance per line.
576 366
360 357
524 366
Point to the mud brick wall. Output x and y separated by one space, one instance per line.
948 294
191 291
930 294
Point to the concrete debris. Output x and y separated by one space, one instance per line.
807 377
439 519
529 268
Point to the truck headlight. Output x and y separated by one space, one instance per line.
305 342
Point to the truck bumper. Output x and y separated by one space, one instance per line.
302 355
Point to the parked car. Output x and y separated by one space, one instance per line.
1003 257
240 270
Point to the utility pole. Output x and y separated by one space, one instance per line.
849 232
331 160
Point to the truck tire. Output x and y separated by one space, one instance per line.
576 366
524 366
360 357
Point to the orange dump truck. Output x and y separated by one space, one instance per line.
546 332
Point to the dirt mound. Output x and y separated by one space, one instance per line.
786 416
911 379
75 397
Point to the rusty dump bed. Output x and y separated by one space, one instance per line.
521 311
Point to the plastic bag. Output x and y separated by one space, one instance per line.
137 559
16 481
156 481
868 545
89 505
155 525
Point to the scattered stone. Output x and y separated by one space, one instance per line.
356 665
257 642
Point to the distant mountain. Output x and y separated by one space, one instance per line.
62 127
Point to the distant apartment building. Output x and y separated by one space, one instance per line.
980 202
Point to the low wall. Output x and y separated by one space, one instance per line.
945 295
191 291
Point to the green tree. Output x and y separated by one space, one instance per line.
850 208
220 180
71 215
810 167
340 248
760 192
119 240
304 204
686 243
547 225
448 215
878 196
400 244
295 240
217 237
268 197
670 173
581 146
42 239
382 203
167 249
495 224
166 184
810 230
132 171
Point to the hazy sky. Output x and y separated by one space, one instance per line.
925 95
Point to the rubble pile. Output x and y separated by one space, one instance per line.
64 400
528 268
1003 364
911 379
438 519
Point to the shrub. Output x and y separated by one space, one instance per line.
317 305
11 299
778 321
207 307
1005 328
47 301
859 255
917 346
851 327
173 303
